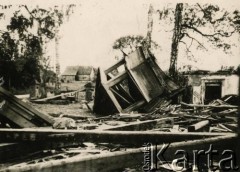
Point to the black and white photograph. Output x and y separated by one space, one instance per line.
119 86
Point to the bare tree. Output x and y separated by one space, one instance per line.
195 24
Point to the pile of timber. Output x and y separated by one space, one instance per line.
217 116
116 138
18 114
63 98
100 143
135 83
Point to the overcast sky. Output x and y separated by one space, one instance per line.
88 36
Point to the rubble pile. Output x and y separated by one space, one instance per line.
135 102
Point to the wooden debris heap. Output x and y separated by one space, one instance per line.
135 83
19 114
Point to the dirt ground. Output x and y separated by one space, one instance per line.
69 109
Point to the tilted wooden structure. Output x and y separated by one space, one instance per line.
136 82
18 114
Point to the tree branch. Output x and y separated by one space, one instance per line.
193 39
187 48
229 34
29 12
190 44
38 19
189 53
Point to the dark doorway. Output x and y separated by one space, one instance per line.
212 91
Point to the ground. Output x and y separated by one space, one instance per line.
76 108
69 109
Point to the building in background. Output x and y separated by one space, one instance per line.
78 73
206 86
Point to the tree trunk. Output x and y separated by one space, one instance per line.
176 39
150 26
57 84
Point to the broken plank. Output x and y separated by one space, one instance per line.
115 66
198 126
77 117
103 104
134 106
224 127
233 127
200 117
113 161
120 137
142 125
24 109
155 105
119 95
17 119
112 97
212 106
217 129
128 116
60 95
113 81
228 111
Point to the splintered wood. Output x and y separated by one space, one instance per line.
136 99
135 83
17 113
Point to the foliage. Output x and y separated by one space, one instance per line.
22 58
206 21
129 43
201 23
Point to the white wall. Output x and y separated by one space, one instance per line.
230 85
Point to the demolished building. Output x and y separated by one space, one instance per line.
135 83
206 86
114 142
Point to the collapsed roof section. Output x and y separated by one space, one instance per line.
19 114
135 83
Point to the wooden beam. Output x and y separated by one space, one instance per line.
134 106
120 96
10 152
103 81
124 137
16 117
24 110
125 92
116 65
143 125
200 117
60 95
212 106
112 97
131 158
198 126
120 77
